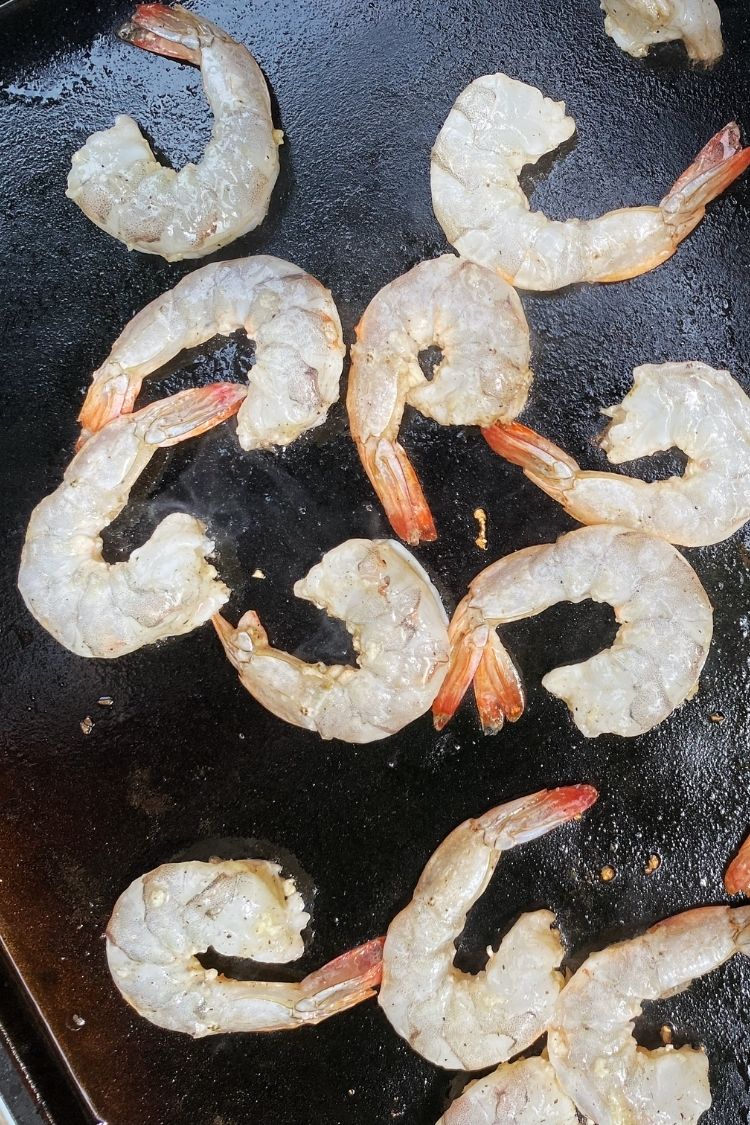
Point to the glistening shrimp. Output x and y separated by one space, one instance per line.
665 619
637 25
525 1092
117 181
451 1018
399 629
498 126
477 322
299 350
166 587
239 908
689 406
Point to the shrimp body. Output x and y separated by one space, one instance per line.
636 25
478 323
166 587
118 183
399 628
610 1078
298 346
451 1018
240 908
525 1092
496 127
653 665
690 406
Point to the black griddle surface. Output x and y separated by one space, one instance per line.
185 755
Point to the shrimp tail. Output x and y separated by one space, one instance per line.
249 628
393 477
517 822
468 637
189 413
737 877
716 166
544 463
498 689
172 32
342 983
111 394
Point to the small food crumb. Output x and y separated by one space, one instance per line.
653 863
666 1034
257 573
79 1021
351 1093
87 725
105 701
717 717
481 517
607 873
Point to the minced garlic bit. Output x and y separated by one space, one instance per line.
257 574
105 701
481 517
607 873
666 1034
653 863
87 725
717 717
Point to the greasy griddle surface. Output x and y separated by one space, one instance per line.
185 754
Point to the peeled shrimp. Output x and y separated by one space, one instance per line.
496 127
653 665
636 25
290 316
737 876
525 1092
690 406
117 181
451 1018
399 627
166 587
483 377
239 908
591 1046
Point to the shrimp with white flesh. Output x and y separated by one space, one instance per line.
690 406
498 126
451 1018
299 348
665 619
737 875
590 1043
477 321
239 908
166 587
119 184
525 1092
636 25
400 633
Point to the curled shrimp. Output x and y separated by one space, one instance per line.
399 628
610 1078
479 325
298 346
166 587
239 908
690 406
653 665
451 1018
525 1092
496 127
118 183
636 25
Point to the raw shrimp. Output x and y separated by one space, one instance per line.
117 181
496 127
737 876
591 1046
239 908
399 627
290 316
477 321
636 25
451 1018
653 665
525 1092
701 411
166 587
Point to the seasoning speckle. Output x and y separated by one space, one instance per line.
717 717
607 873
87 725
653 863
666 1034
257 573
105 701
481 517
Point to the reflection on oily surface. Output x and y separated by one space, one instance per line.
183 753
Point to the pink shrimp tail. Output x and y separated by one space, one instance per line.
397 485
737 877
523 446
190 413
716 166
171 32
527 818
343 982
498 689
105 399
